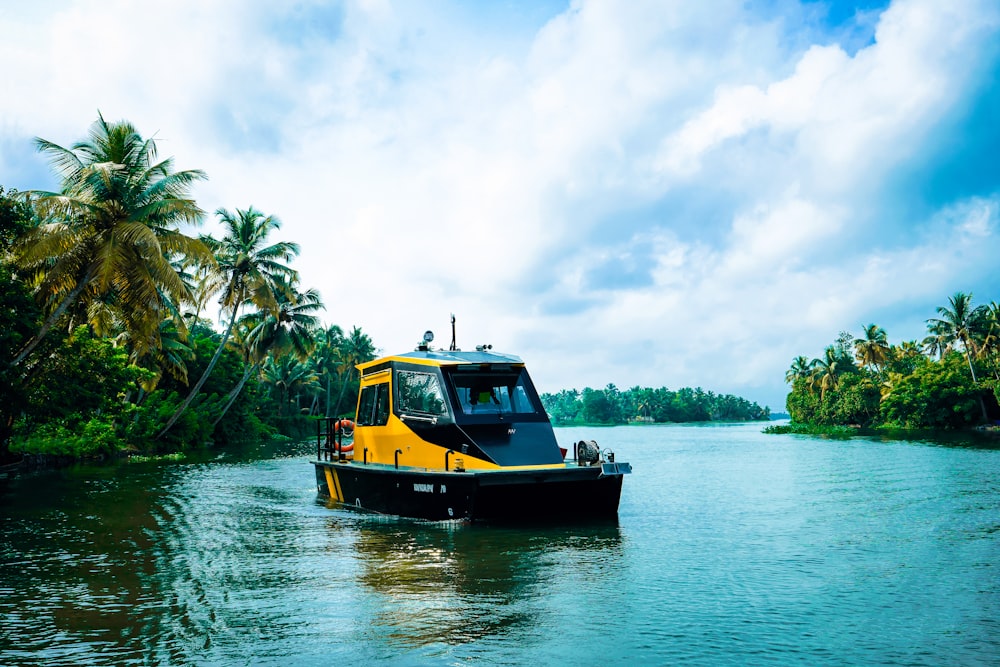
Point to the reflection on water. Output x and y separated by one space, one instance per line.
458 583
731 548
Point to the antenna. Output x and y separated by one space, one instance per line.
452 348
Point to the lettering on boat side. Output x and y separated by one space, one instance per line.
443 489
511 431
423 488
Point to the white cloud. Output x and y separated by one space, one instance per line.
642 192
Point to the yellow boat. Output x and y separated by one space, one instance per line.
460 435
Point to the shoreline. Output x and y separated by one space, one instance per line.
840 432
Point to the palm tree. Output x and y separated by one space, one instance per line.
962 323
110 230
938 343
326 358
170 356
291 331
248 271
826 371
873 349
358 348
800 370
287 374
991 340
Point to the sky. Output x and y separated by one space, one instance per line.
662 193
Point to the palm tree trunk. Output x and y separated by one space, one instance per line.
204 376
343 386
51 320
231 398
327 415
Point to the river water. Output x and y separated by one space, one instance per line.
731 547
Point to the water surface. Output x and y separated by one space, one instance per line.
732 547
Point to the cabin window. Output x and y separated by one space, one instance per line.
420 393
492 393
373 405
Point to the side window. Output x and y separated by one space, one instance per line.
373 406
382 405
420 393
366 405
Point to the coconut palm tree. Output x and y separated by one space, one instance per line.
110 230
873 349
826 371
249 271
327 359
288 375
800 370
358 348
991 339
960 323
290 331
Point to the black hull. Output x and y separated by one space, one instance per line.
562 494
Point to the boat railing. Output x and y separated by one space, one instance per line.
330 434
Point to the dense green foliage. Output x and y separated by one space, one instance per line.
644 405
950 380
102 348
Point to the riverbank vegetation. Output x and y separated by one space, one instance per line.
650 406
949 380
105 345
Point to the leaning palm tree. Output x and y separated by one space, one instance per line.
873 349
960 323
290 331
249 271
110 229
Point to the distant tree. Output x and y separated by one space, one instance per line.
597 409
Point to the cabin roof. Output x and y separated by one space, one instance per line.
447 358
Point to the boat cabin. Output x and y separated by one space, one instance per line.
440 409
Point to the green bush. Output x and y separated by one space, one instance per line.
936 395
96 437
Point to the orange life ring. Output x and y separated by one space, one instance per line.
344 425
346 447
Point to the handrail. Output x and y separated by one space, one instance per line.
446 455
419 418
398 452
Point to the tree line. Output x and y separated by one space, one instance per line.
949 380
646 405
104 341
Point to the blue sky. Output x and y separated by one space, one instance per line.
644 193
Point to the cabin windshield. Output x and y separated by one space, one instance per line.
420 393
494 392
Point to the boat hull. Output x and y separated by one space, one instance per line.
558 493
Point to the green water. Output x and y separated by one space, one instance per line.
732 547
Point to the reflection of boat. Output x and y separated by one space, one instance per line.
447 434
